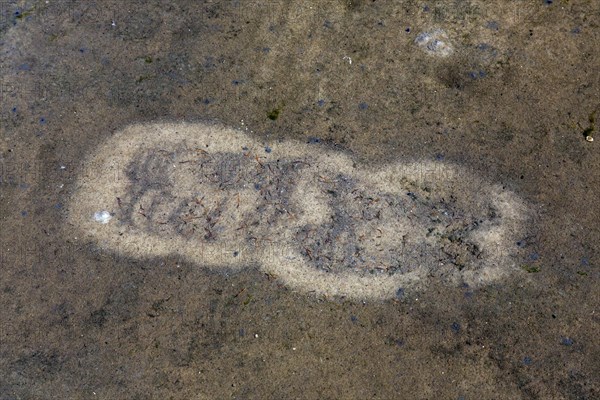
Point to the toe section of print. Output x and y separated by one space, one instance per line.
302 212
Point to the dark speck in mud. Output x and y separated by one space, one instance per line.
589 131
400 293
274 114
567 341
477 74
531 268
493 25
585 261
455 327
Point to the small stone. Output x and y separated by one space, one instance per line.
102 217
435 43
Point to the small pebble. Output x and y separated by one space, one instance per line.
435 43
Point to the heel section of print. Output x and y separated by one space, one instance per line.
302 212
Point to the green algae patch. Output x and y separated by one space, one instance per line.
531 269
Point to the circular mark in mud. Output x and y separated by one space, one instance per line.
305 214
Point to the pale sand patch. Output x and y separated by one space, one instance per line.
302 212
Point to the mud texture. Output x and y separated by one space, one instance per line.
506 91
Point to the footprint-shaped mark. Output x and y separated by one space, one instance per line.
303 213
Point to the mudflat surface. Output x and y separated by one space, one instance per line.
504 92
